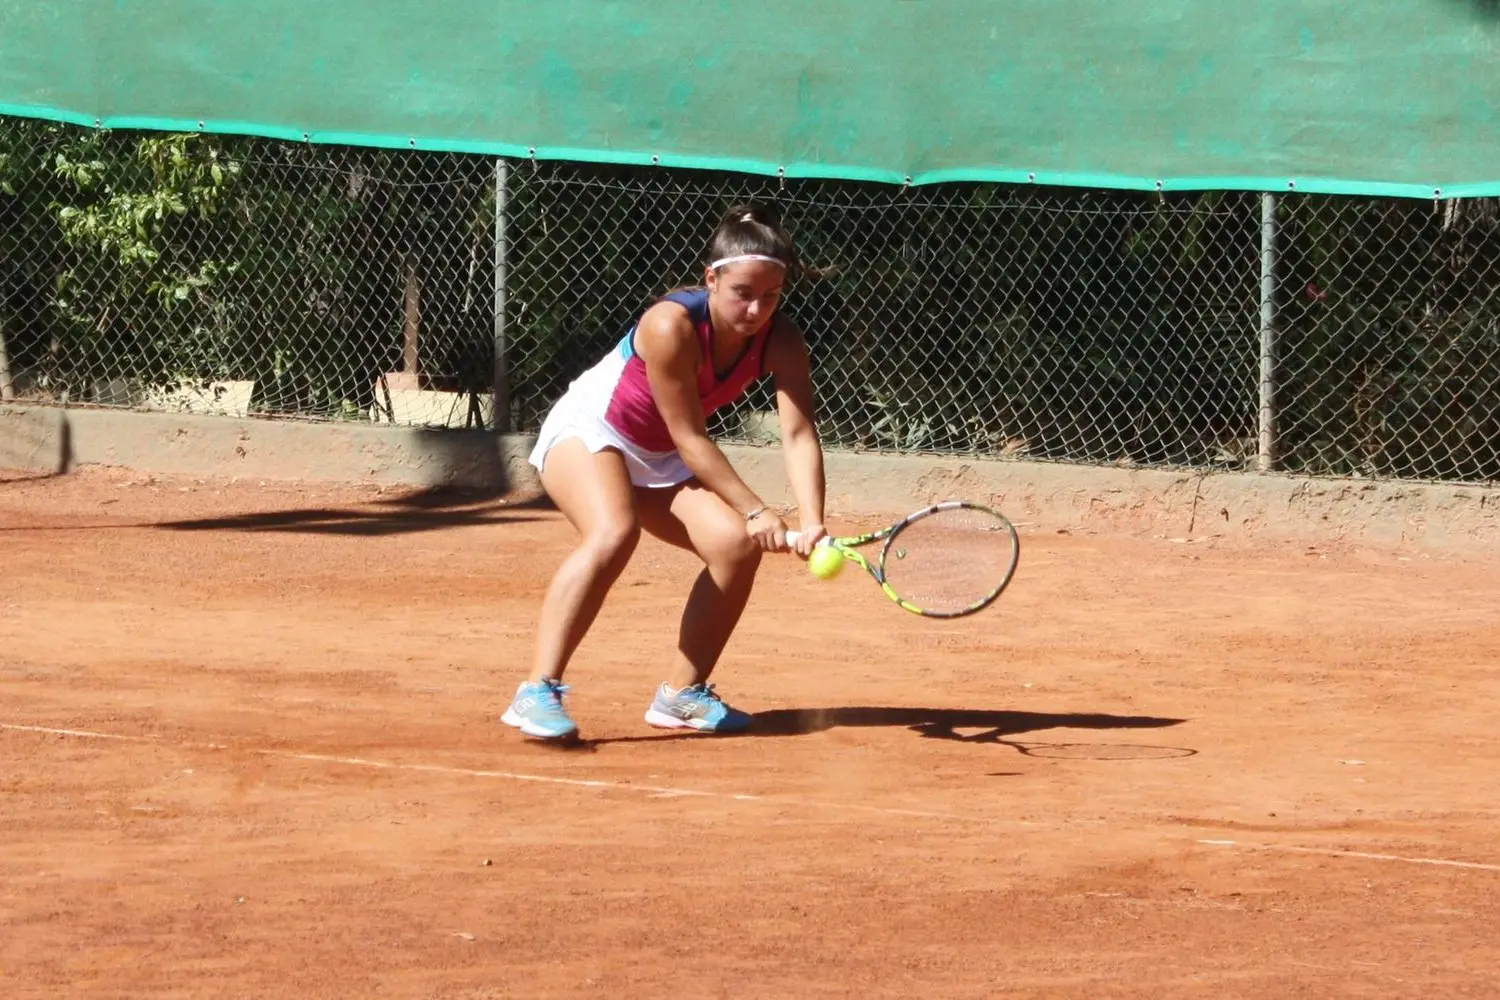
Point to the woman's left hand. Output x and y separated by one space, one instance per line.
807 538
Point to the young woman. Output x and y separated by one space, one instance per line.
627 448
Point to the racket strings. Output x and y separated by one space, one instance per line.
950 560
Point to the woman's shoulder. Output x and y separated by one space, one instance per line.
667 326
681 306
685 294
694 300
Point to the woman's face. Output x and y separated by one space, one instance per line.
743 296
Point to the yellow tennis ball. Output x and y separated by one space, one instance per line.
825 562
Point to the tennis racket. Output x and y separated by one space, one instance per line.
944 561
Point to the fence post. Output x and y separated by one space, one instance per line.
502 365
7 386
1266 454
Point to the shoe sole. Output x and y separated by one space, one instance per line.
510 718
661 720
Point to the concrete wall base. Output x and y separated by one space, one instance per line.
1171 503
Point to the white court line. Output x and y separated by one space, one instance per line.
658 791
1333 852
654 791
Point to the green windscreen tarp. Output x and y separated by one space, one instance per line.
1380 97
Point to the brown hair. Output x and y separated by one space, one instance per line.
753 228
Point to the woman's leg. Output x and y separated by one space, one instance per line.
593 491
696 519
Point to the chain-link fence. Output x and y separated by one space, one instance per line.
234 274
973 319
238 275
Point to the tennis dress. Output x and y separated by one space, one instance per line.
611 405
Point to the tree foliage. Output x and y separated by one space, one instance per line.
972 319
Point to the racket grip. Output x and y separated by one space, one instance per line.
792 536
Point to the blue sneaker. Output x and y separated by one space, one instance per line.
695 707
538 711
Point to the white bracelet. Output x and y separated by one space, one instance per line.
757 512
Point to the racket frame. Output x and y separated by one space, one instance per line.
848 545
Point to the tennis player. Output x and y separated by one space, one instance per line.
627 448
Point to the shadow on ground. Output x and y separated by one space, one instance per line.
424 510
15 478
993 727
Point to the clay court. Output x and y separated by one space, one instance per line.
249 748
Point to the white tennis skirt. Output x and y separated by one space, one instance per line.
576 415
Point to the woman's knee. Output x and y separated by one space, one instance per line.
695 519
731 547
610 543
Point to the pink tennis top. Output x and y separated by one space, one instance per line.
630 408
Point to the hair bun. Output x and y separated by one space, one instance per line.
750 230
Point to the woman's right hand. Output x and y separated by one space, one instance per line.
768 530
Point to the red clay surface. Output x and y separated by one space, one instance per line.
283 775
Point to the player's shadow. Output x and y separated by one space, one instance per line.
943 722
957 724
425 510
968 726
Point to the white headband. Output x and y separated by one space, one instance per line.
745 258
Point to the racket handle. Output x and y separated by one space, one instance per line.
793 535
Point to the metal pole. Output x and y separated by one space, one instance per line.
1266 456
502 367
7 386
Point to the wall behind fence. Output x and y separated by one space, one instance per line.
236 275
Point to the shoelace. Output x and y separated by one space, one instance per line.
700 692
553 697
